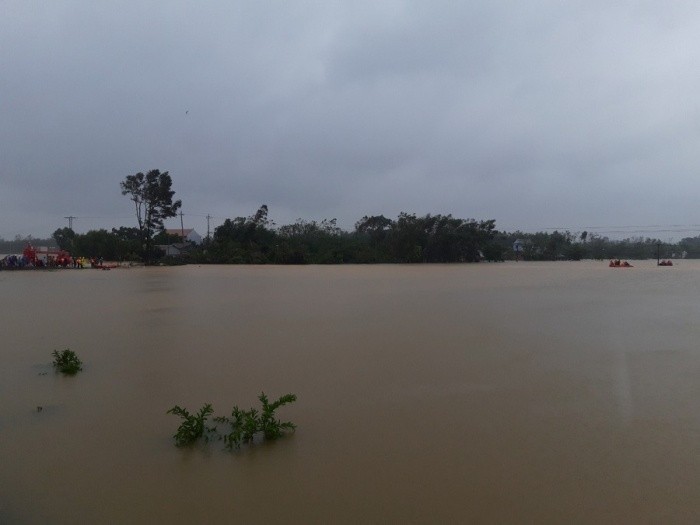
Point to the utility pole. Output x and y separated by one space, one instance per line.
70 221
182 227
208 219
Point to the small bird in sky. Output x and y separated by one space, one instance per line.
186 112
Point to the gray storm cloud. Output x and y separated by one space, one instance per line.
536 114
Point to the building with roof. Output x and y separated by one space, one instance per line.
178 249
187 234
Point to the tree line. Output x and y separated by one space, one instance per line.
375 239
409 238
556 245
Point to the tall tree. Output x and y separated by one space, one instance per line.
246 240
153 202
64 237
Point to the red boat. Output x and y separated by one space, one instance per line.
618 264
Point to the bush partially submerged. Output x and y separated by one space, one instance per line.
193 426
67 362
244 424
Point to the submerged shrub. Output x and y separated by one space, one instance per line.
193 425
244 424
270 427
67 362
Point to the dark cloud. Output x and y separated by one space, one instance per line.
535 114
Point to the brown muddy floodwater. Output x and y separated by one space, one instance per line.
489 393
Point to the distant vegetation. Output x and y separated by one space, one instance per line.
377 239
407 239
374 239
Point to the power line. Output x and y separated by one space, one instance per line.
643 227
100 217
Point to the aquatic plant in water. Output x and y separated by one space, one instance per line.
193 426
244 424
67 362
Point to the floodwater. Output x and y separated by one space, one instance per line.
491 393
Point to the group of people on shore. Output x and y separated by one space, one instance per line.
59 259
21 262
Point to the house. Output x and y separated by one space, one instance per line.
174 250
518 248
187 234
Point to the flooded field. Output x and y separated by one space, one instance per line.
491 393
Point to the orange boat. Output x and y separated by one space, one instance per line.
618 264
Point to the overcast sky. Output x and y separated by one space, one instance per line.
539 114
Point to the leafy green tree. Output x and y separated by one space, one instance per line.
371 234
153 203
244 240
494 252
376 227
64 237
575 252
457 240
407 238
438 238
691 247
97 243
118 245
313 242
599 247
129 242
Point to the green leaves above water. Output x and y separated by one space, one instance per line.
243 425
193 427
67 362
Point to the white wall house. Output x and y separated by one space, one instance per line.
190 234
174 250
